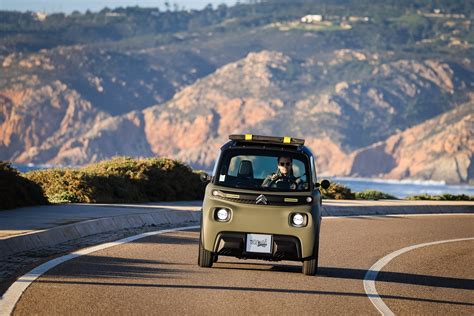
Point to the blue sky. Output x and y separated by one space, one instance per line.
96 5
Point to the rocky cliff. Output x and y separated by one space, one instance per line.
32 117
439 149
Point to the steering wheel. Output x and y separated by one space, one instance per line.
284 183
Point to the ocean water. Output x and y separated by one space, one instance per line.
30 167
403 188
397 188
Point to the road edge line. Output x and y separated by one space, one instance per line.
371 275
11 297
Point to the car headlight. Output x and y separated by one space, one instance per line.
298 220
222 214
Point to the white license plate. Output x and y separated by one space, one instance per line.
259 243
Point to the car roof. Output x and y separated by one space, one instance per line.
267 139
234 144
286 143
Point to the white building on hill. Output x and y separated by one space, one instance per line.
40 16
312 18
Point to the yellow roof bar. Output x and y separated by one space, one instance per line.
267 139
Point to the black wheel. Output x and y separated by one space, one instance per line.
310 267
205 259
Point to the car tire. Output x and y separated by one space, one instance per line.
310 267
205 258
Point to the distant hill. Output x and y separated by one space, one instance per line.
80 88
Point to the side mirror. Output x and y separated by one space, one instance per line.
204 177
325 184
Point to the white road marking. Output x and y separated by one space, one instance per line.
371 275
14 292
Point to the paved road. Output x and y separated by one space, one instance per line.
159 275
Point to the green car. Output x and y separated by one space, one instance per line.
262 202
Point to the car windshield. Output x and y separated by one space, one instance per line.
264 170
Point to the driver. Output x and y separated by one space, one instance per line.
283 174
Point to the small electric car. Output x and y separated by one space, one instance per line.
262 202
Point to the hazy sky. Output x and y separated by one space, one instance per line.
96 5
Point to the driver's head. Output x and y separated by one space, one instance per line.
285 165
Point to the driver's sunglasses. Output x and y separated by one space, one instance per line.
283 164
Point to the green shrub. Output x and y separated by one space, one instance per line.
337 191
64 197
373 195
122 180
443 197
17 191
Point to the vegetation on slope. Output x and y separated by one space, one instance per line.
337 191
442 197
396 19
121 180
17 191
373 195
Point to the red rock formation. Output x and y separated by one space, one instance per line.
47 114
330 158
439 149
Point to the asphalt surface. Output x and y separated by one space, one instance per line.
159 275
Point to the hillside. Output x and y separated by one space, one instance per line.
409 154
142 82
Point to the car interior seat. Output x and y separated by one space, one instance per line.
245 170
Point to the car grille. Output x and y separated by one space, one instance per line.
271 199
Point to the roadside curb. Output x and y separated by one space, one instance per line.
332 210
60 234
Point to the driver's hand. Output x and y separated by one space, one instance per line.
274 177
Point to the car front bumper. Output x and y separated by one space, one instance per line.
234 244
